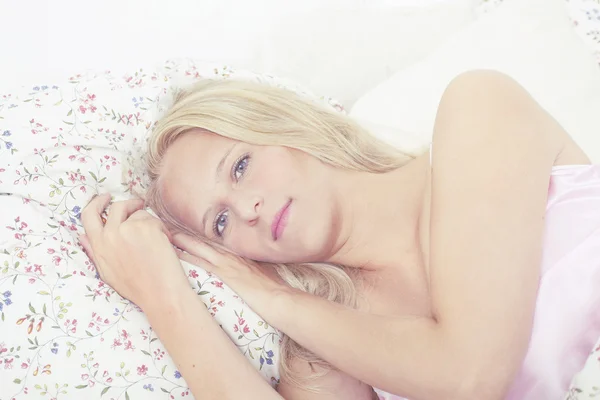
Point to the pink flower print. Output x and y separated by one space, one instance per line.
246 329
18 236
129 346
218 284
31 281
142 370
241 321
82 109
193 274
235 328
8 363
84 377
24 365
51 251
56 260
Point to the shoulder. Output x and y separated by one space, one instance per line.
329 384
491 110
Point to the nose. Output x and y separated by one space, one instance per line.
248 207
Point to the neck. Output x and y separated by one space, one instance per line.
379 215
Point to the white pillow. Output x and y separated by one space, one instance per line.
532 41
345 51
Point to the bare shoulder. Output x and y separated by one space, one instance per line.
332 385
490 98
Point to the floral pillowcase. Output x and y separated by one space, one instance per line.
63 332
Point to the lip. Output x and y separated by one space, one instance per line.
280 220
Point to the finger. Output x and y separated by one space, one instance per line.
145 215
120 211
197 261
197 248
141 214
91 216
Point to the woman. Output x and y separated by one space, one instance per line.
415 275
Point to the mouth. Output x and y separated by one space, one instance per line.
280 221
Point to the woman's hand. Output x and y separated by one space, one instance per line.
257 285
132 251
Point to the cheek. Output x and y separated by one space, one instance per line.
245 244
277 166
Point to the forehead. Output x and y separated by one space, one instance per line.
188 168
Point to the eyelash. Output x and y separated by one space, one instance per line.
234 168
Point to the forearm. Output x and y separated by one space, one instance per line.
410 356
211 364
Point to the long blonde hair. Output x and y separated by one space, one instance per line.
261 114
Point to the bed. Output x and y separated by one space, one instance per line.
65 136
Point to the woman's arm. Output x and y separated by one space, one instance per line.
214 368
210 363
494 148
132 253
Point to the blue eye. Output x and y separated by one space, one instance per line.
220 223
240 166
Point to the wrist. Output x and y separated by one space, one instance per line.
282 308
170 306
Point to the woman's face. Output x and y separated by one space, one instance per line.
266 203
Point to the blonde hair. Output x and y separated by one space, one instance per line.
261 114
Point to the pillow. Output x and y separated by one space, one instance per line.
346 50
59 324
530 40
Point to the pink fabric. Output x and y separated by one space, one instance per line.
567 315
567 318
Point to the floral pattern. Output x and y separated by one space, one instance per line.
65 334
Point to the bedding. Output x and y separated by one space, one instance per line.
533 41
63 332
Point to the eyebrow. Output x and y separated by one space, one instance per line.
218 171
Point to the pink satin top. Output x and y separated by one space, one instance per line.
567 314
